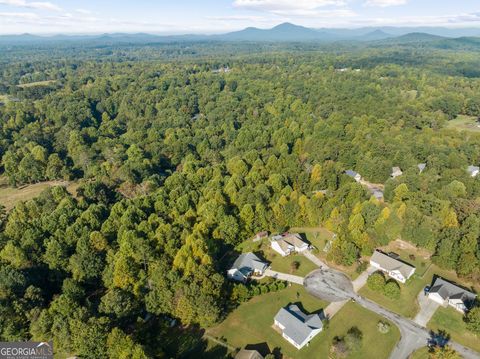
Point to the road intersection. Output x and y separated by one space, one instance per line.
333 286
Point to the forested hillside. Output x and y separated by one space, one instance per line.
179 162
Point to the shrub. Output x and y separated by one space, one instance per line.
383 327
339 348
473 320
294 266
362 266
392 290
240 293
353 339
376 281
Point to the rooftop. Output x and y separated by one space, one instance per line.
391 264
298 325
449 290
247 261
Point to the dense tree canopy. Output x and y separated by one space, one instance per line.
177 164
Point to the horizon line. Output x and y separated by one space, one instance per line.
214 32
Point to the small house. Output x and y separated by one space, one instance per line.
449 294
248 354
259 236
356 176
394 267
246 265
378 194
288 243
421 167
396 172
297 327
473 170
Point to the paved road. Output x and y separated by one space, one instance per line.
414 336
321 283
284 276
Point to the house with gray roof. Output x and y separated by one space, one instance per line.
449 294
421 167
246 265
394 267
355 175
473 170
297 327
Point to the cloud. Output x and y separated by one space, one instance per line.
83 11
285 5
40 5
18 16
385 3
236 18
473 17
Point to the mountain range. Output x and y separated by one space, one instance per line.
285 32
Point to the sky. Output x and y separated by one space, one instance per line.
218 16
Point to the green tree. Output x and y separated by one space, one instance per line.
472 318
392 289
376 281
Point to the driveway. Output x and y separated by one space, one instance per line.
314 259
284 276
321 283
427 309
361 280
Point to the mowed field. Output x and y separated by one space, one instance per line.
251 323
10 196
465 123
38 83
451 321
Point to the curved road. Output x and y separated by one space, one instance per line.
413 335
330 285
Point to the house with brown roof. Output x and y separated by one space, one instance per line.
288 243
248 354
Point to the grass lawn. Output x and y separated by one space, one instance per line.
417 257
466 123
284 264
319 237
425 271
238 330
277 262
10 196
421 353
37 83
451 321
406 305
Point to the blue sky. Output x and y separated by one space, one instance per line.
214 16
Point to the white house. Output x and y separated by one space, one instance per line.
446 293
355 175
288 243
395 268
421 167
246 265
297 327
473 170
396 172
